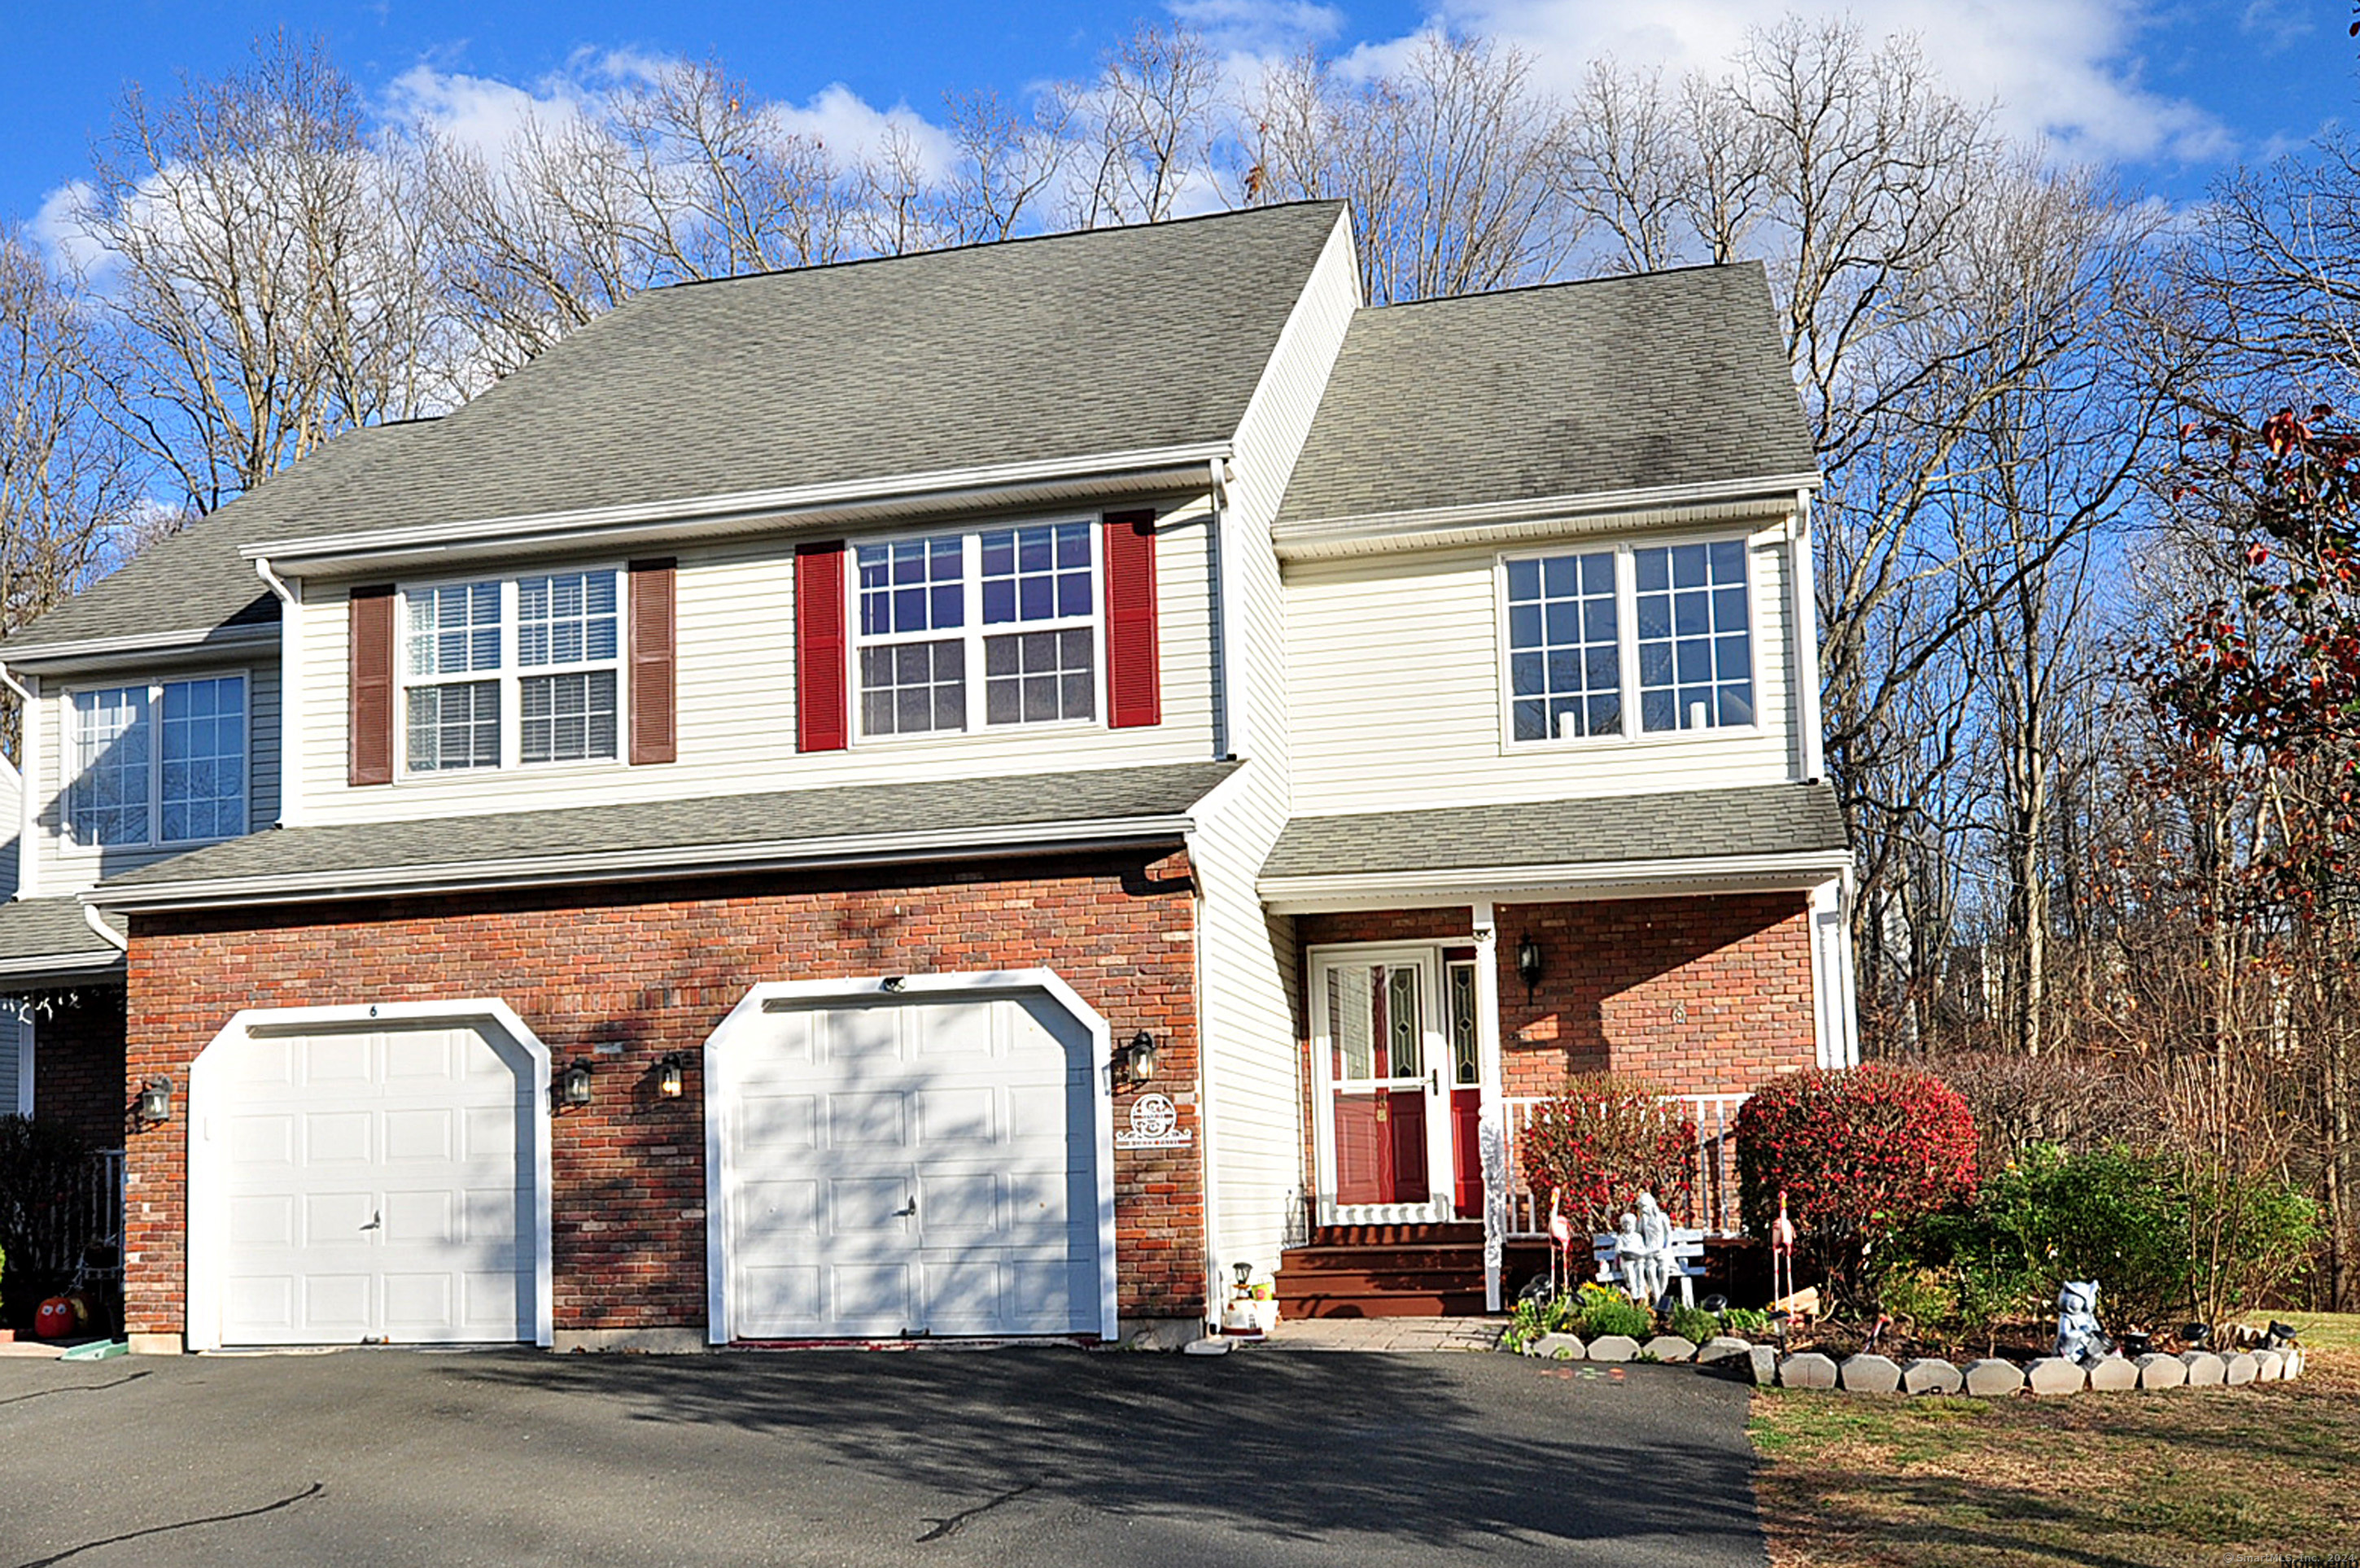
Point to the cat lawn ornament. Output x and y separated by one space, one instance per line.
2079 1337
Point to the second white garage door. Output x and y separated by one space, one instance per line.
375 1184
920 1165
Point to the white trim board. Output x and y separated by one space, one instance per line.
1328 892
207 1227
780 996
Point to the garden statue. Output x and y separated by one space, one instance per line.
2079 1337
1642 1267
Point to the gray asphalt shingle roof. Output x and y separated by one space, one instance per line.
196 579
951 811
38 931
1702 825
1063 346
1615 383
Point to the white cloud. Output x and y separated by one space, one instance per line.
61 239
2065 70
1260 26
851 128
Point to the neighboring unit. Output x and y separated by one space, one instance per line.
971 794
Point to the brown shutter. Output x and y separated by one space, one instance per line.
1134 684
820 676
654 731
372 697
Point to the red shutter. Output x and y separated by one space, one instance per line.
820 680
652 730
1134 686
371 760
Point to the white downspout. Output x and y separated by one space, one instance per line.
29 773
1803 575
291 695
91 918
1492 1123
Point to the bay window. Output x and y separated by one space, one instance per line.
1629 641
997 626
161 763
516 671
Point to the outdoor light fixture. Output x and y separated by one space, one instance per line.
671 1079
1136 1062
574 1084
156 1100
1528 965
892 981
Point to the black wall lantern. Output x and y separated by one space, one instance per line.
1135 1063
1528 965
156 1100
573 1084
672 1077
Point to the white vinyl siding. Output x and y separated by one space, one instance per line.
67 866
1246 958
1397 675
735 706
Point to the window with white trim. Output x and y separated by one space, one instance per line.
512 671
163 763
986 628
1629 641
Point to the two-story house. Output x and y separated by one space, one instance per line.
976 793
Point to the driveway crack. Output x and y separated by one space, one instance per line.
313 1490
943 1527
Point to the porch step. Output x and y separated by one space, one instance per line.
1456 1232
1391 1304
1383 1272
1404 1259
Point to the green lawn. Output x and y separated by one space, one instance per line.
2179 1479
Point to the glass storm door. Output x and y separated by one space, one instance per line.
1385 1139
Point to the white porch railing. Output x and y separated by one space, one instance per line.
1716 1164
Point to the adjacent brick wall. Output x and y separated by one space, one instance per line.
654 969
78 1064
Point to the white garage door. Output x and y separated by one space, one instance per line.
376 1184
922 1166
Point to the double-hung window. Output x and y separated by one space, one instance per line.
981 629
158 764
512 671
1628 642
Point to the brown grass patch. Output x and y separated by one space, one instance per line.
2177 1478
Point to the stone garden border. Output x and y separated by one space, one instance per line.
1988 1378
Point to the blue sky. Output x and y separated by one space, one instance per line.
2168 93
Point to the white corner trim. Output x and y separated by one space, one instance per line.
721 1103
207 1227
781 503
1326 891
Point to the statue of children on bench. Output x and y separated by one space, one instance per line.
1643 1268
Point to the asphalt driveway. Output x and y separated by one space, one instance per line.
1013 1456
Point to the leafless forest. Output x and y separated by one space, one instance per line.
2008 364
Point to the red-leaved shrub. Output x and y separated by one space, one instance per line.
1606 1139
1861 1152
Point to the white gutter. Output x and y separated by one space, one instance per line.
144 643
1318 891
629 865
290 693
1805 578
789 500
1540 516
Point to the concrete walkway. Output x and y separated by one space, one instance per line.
1389 1333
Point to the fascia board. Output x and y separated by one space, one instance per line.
79 965
1547 884
1185 466
1540 518
635 865
140 645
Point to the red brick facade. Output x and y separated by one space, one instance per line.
653 970
78 1064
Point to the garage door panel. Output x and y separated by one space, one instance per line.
339 1138
957 1117
262 1064
982 1110
399 1203
262 1141
871 1120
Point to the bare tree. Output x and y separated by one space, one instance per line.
1002 166
1143 129
256 289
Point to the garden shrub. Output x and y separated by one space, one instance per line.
1694 1324
1861 1152
1617 1316
2249 1235
1745 1321
1605 1140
